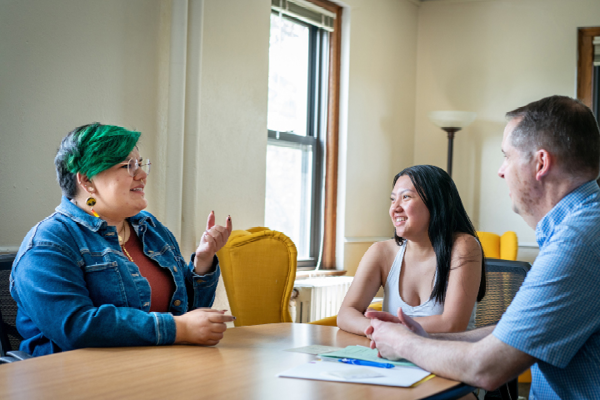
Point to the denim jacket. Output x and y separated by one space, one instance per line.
75 288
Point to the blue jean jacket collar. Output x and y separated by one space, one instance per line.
95 224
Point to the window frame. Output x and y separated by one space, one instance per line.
327 220
315 134
585 64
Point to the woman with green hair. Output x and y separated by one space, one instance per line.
100 272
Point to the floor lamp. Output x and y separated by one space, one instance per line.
451 122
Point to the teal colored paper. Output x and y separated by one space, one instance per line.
364 353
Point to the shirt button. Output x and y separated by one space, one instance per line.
175 268
177 303
199 281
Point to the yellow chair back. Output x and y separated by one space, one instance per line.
504 247
259 268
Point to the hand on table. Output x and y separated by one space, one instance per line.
387 332
402 318
212 240
203 326
371 313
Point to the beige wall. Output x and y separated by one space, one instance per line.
491 57
64 63
191 75
377 138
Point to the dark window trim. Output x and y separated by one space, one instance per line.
329 219
585 64
314 138
328 260
596 93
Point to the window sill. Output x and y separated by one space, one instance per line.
313 273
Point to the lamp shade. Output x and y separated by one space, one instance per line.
452 119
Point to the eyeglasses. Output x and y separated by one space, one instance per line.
133 166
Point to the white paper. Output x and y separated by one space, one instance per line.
331 371
349 374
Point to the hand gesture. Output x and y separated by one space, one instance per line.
386 332
402 318
203 326
211 241
411 324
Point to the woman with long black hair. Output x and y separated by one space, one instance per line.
434 267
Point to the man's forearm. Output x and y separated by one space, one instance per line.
472 336
486 362
449 360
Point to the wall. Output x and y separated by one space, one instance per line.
377 129
69 62
155 66
191 75
233 110
65 63
491 57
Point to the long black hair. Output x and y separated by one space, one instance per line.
447 217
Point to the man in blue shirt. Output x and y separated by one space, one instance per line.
552 157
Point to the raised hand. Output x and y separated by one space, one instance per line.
203 326
211 241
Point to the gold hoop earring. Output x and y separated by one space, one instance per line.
91 202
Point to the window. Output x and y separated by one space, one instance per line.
587 67
596 79
299 57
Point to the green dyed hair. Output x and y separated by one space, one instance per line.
98 147
91 149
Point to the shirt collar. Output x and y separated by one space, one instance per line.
94 224
560 211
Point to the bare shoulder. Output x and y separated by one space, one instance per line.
465 240
465 245
384 249
379 253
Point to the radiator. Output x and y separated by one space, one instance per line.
317 298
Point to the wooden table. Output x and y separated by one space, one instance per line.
243 366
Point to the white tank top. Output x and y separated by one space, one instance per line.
392 300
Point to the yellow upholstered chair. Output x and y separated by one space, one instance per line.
259 269
504 247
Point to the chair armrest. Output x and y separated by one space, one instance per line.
328 321
19 355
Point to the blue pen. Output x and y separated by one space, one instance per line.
365 363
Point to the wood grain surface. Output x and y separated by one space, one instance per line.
243 366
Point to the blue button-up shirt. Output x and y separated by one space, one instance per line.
555 315
75 288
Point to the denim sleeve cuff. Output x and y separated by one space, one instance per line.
212 270
205 285
165 328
